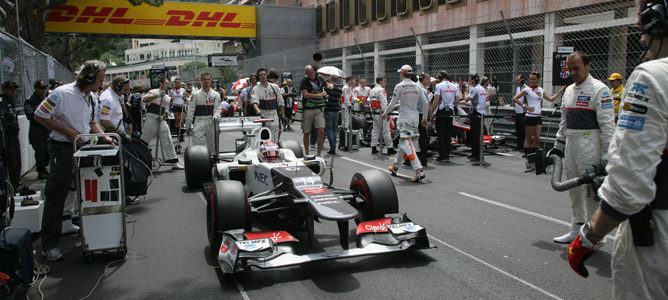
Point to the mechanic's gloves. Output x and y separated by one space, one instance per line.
259 114
578 251
560 145
556 151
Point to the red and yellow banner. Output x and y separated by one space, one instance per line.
170 19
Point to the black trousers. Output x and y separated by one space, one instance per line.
519 130
474 134
423 142
13 159
444 130
37 137
56 190
136 122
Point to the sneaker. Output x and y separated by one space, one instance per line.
393 170
391 151
52 254
419 175
29 202
69 228
177 166
131 201
374 150
43 175
331 152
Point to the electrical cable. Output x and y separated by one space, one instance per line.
100 278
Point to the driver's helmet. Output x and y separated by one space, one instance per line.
269 152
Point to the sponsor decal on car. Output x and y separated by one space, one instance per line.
225 246
261 177
404 228
315 191
275 236
631 122
373 226
253 245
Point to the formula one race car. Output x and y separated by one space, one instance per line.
283 188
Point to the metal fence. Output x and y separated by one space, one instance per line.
606 30
24 64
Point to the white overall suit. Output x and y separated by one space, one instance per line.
203 111
269 99
156 125
378 104
587 125
408 94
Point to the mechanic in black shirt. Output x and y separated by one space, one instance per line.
135 111
10 130
38 134
332 109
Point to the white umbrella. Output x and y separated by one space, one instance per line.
239 84
328 71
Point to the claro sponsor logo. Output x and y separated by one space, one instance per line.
117 15
379 227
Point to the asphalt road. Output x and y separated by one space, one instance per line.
492 228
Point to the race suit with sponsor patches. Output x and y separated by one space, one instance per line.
204 107
378 103
269 99
156 125
407 93
637 161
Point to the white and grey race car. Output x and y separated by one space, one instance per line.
289 196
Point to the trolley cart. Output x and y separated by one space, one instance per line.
101 194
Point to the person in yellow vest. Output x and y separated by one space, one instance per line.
617 89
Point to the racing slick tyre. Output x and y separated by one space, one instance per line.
295 146
227 209
197 166
378 193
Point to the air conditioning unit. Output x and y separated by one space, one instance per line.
428 5
321 20
333 15
364 11
454 3
347 14
383 10
404 8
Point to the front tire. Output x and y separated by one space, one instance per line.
227 209
197 166
378 192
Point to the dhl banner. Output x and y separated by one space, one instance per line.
169 19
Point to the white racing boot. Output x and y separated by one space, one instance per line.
570 236
69 228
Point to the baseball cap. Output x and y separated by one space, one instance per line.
40 84
9 84
405 69
615 76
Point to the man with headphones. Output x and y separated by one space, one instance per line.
68 111
157 103
586 127
112 112
446 96
637 181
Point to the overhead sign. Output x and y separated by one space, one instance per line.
222 60
169 19
560 74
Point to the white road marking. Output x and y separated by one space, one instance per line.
505 154
375 167
242 291
495 268
240 287
524 211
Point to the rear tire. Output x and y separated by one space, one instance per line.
295 146
378 191
227 208
197 166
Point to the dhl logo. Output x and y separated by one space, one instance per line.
116 15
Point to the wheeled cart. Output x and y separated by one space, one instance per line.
101 195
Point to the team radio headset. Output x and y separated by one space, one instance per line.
653 21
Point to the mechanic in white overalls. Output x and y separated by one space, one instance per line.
586 127
637 182
203 113
408 94
156 124
377 102
268 102
347 101
178 95
361 93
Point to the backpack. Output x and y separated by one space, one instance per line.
137 162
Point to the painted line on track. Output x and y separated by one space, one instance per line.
240 287
375 167
495 268
520 210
